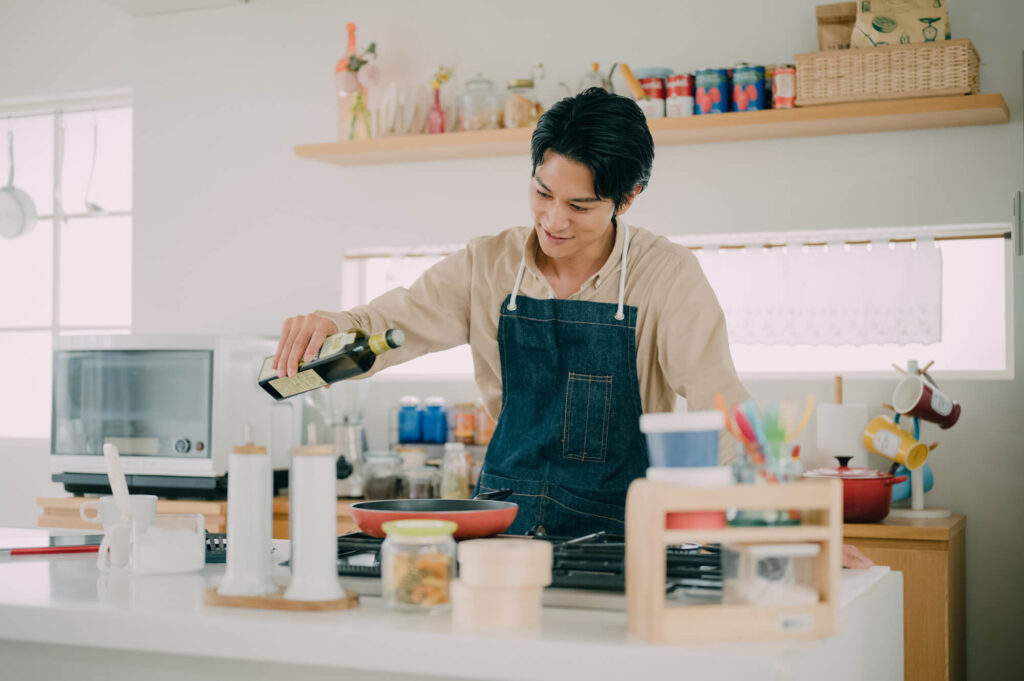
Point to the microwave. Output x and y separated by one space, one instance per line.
174 405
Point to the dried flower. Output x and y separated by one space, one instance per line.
444 73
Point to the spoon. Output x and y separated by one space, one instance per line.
93 208
118 485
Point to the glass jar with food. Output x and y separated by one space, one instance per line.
465 422
417 561
381 474
485 426
522 109
481 107
422 482
455 472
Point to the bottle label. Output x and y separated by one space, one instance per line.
379 343
267 370
336 343
299 383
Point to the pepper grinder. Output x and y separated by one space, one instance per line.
250 511
312 510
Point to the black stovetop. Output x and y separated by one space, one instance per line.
593 562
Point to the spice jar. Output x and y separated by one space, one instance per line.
381 475
417 564
455 472
465 422
481 109
521 106
484 426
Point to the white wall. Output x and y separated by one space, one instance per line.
233 233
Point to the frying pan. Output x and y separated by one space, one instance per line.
481 516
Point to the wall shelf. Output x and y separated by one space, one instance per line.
835 119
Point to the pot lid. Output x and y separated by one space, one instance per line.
844 472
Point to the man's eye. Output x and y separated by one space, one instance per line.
581 209
543 195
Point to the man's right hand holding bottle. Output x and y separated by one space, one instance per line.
301 339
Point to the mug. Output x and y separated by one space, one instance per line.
114 549
885 438
914 396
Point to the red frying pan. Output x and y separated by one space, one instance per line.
479 517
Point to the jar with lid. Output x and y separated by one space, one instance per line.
421 482
435 421
410 420
481 108
455 472
485 426
381 474
417 561
522 109
465 422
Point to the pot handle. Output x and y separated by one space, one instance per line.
893 481
496 495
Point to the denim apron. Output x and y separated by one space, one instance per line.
568 438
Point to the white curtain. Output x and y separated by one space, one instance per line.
829 295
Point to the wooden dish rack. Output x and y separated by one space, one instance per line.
654 620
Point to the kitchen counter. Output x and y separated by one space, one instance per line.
60 618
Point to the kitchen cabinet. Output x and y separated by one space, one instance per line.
834 119
930 554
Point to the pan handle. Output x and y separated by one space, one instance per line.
496 495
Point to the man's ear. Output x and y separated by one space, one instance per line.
628 201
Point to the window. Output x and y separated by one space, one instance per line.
71 274
971 318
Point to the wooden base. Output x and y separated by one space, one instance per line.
277 601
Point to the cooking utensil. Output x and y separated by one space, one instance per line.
867 493
481 516
118 484
93 208
17 210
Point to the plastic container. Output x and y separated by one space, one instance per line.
677 440
410 420
769 574
417 564
481 106
169 543
435 421
713 476
500 585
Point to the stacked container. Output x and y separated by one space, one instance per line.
501 584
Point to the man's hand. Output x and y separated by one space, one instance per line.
301 338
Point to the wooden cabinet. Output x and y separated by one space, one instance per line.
930 554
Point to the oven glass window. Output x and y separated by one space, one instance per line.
147 402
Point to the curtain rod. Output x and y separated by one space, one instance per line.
857 242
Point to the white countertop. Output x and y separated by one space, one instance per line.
63 602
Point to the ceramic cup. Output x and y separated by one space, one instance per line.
885 438
914 396
114 549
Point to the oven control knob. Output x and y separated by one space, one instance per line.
182 445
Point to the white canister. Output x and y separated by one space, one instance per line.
313 520
250 518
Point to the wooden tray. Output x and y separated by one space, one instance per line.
277 601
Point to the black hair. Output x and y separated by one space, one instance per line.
606 133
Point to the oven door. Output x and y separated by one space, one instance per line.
150 403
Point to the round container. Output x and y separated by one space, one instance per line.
435 421
495 609
465 422
505 563
485 426
455 472
712 91
712 476
481 108
421 482
676 440
867 493
784 87
380 475
680 95
522 109
748 88
410 420
417 561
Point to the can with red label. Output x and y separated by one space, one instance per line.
784 87
653 103
712 95
680 95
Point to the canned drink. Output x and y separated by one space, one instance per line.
748 89
680 95
712 91
653 103
784 87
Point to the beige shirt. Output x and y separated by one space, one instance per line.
682 346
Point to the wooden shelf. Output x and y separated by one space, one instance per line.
768 535
835 119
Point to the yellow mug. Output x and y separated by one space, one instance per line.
886 438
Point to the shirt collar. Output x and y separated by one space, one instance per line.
610 266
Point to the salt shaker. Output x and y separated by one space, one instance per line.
313 524
250 511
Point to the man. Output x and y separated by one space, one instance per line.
577 324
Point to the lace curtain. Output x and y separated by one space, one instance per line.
837 294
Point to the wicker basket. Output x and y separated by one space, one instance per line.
949 67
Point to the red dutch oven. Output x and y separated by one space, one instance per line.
867 493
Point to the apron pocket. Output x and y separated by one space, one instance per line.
588 402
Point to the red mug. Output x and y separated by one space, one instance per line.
914 396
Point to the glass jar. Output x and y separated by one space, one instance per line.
417 561
481 109
465 422
381 474
769 470
455 472
521 106
484 426
422 482
410 420
435 421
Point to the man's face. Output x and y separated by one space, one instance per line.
569 219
